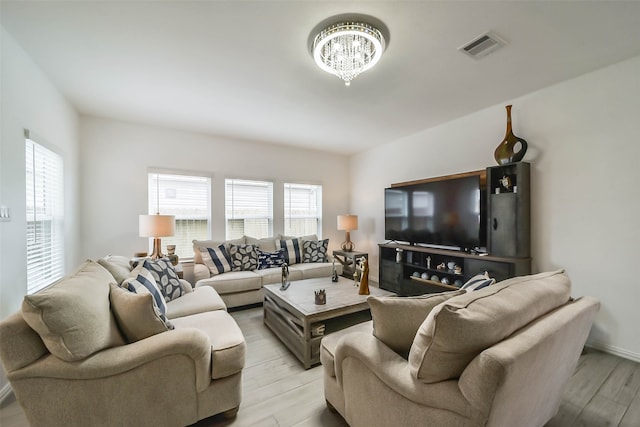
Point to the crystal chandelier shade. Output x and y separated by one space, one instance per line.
347 49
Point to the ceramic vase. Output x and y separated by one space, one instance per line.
505 152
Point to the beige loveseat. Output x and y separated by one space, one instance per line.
83 368
500 356
238 288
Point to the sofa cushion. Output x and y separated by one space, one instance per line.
202 299
166 278
243 257
217 259
274 275
227 342
477 282
199 244
459 329
136 314
233 281
397 319
315 250
117 265
267 244
313 270
292 250
270 259
141 281
330 342
72 316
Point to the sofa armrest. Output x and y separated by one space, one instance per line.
200 271
393 370
191 343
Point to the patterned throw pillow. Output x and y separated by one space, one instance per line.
292 250
315 251
166 278
478 282
243 257
217 259
270 259
142 281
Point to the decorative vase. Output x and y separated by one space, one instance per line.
505 151
364 277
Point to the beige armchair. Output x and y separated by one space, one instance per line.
453 380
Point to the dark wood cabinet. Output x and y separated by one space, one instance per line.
415 270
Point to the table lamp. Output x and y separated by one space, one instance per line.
157 226
347 223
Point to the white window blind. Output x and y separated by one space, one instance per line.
45 216
249 208
187 197
302 209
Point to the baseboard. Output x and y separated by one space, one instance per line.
616 351
5 392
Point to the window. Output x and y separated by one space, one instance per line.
249 208
188 198
45 216
302 209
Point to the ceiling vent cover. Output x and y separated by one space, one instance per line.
482 45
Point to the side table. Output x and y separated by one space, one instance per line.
348 261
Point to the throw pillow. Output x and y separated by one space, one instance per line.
72 316
478 282
199 245
243 257
166 278
315 251
270 259
216 259
117 265
456 331
292 250
141 281
136 314
397 319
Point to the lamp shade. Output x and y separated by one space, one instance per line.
347 222
157 225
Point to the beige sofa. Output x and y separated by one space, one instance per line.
238 288
79 367
500 356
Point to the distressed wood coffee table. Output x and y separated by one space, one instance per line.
298 322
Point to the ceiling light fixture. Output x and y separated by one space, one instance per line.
347 49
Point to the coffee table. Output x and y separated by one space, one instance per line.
300 324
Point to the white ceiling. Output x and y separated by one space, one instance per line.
242 69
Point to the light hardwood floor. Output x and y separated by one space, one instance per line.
277 391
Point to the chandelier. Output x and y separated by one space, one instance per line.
347 49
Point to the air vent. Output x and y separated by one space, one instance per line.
482 45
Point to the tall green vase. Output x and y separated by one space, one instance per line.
505 151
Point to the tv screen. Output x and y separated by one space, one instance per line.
446 213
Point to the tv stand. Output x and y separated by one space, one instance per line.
403 268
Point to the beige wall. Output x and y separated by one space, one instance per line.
116 156
30 101
584 151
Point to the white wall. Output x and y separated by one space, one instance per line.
30 101
116 157
584 148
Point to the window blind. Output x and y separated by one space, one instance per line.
45 216
248 208
302 209
188 198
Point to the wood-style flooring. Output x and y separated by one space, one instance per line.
277 391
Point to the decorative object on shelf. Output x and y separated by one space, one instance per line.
505 181
435 278
429 262
441 266
334 273
171 254
451 265
321 296
415 274
317 330
505 151
285 277
457 269
348 48
347 223
424 275
458 283
156 226
398 255
363 266
444 281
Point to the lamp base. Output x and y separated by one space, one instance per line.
347 245
157 249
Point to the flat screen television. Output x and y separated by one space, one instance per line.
448 213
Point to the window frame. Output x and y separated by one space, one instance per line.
230 213
288 230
